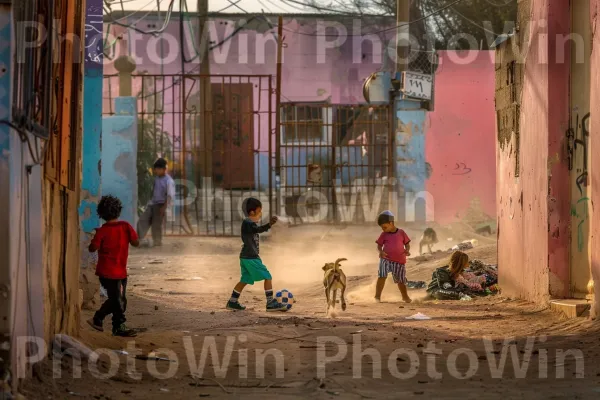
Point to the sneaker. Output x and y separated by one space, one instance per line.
273 305
235 306
123 331
97 325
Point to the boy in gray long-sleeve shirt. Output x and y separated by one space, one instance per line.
163 193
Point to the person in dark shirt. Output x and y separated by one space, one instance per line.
252 268
112 241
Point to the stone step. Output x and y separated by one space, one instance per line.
571 308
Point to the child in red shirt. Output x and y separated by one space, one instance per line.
393 246
112 241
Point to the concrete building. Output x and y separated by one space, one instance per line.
545 96
40 171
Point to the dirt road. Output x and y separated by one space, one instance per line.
179 292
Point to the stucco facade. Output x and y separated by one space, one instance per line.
595 161
545 102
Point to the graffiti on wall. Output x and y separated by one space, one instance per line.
94 44
461 169
578 136
583 217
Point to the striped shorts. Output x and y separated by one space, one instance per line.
397 270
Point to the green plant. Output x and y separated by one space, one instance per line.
153 142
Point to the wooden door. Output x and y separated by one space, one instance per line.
233 140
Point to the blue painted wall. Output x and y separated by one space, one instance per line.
91 151
119 156
91 141
410 150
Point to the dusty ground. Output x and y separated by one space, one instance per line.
179 293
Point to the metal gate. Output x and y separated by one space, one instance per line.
215 132
335 162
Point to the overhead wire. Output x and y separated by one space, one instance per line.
474 23
433 13
238 29
123 9
210 48
154 32
321 8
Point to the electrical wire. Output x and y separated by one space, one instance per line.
265 7
433 13
154 32
474 23
24 210
108 4
134 23
181 35
217 45
18 274
175 82
320 8
25 139
28 242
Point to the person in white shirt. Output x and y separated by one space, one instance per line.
163 194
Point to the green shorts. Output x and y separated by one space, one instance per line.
253 270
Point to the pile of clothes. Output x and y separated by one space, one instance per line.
478 280
489 277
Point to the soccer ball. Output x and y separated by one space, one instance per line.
285 297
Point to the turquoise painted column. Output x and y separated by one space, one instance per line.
91 148
119 156
120 145
92 116
411 171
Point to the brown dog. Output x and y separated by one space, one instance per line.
428 239
334 280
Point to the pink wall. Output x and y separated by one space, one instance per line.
533 213
559 204
595 161
461 131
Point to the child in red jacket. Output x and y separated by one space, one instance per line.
112 241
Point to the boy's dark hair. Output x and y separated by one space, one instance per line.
251 204
109 208
384 219
160 163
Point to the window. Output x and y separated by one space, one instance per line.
302 123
